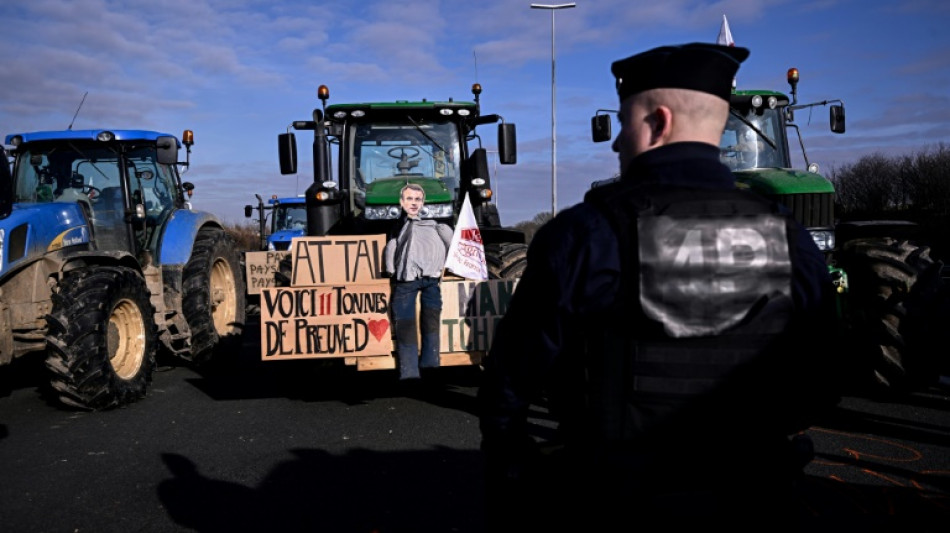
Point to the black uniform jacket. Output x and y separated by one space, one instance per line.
573 272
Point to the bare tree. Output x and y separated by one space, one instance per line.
871 185
930 180
910 187
530 227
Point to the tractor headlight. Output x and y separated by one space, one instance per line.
436 211
825 239
382 212
392 212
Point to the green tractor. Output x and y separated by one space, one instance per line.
887 283
383 146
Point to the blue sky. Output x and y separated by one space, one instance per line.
237 72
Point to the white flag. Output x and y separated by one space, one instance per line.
725 36
466 257
725 39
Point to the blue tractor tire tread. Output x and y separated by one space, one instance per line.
101 316
214 252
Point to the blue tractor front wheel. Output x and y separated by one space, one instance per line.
101 338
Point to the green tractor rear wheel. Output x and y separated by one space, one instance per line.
894 291
506 260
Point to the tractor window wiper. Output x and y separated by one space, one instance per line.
753 127
91 160
422 131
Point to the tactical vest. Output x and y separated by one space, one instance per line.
705 293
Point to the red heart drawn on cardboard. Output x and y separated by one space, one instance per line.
378 328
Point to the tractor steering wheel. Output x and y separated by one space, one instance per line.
413 152
92 192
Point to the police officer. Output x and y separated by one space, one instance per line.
679 330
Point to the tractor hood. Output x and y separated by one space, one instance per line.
773 181
386 191
33 230
281 239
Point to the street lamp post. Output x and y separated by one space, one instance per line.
552 8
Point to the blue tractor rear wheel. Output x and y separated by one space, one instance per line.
213 298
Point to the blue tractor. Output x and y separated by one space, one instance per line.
103 263
288 219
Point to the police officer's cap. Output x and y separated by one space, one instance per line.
709 68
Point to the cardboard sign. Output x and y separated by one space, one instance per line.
325 322
338 303
470 312
260 268
337 260
354 320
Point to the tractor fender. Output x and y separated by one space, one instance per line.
178 239
74 260
862 229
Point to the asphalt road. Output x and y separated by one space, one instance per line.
881 465
296 446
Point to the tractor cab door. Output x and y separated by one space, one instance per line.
95 179
153 197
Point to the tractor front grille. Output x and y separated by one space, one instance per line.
813 210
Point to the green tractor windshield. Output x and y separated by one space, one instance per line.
754 138
387 155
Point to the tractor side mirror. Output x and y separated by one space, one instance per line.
287 152
167 148
836 114
507 144
600 128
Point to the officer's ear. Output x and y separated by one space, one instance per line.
660 121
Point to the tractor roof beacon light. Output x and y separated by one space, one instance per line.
792 77
323 93
187 139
